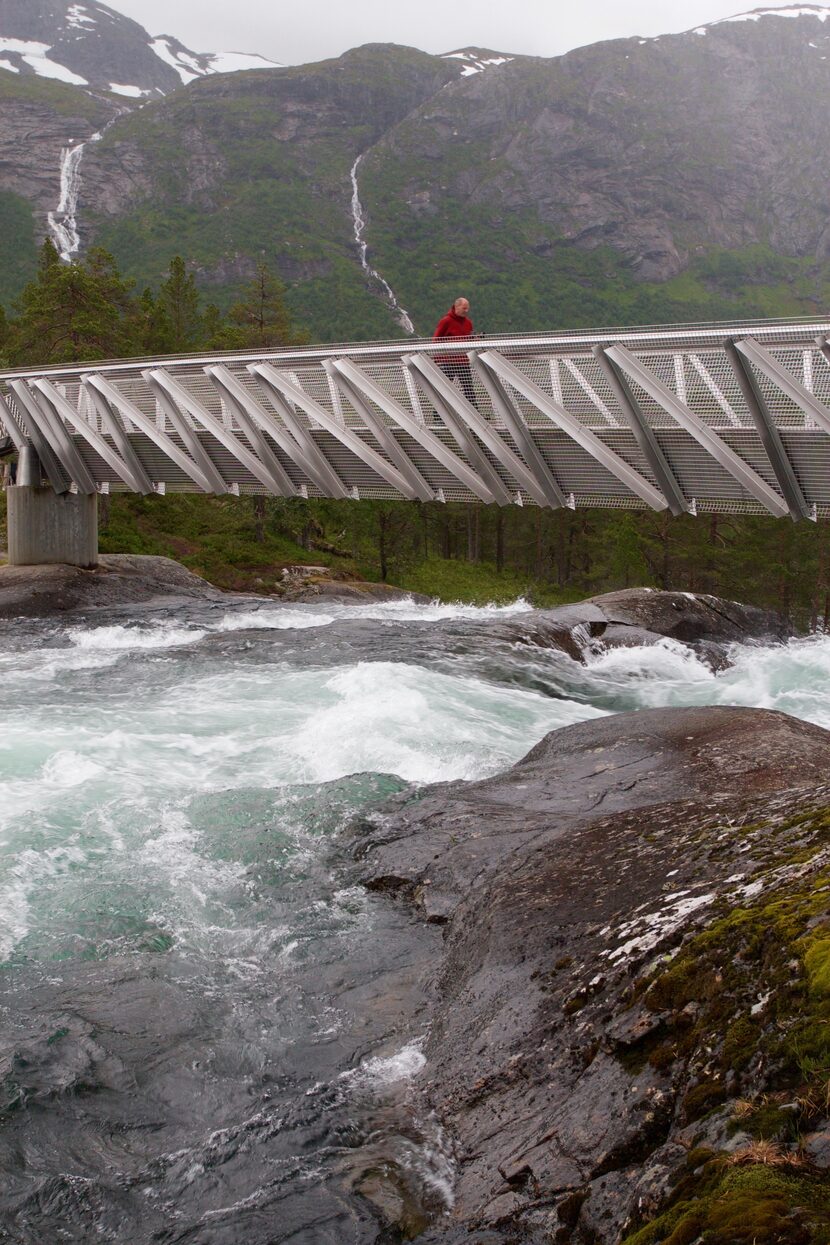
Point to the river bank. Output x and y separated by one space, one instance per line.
216 1024
629 1018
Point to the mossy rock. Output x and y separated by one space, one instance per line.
725 1204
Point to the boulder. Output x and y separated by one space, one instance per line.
119 579
562 885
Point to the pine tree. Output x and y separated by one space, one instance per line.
155 329
72 312
179 300
262 320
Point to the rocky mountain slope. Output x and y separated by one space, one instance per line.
90 45
639 179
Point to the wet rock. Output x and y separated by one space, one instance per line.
120 579
689 617
387 1192
563 883
645 616
817 1146
457 834
347 592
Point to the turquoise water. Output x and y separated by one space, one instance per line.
208 1029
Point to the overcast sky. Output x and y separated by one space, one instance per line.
294 33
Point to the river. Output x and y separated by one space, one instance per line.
209 1031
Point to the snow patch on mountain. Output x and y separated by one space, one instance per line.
476 60
131 92
34 55
79 18
818 11
239 62
184 63
192 65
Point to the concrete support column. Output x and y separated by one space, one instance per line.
47 527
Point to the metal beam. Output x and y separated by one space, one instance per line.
785 381
111 420
769 434
10 423
446 399
644 433
485 431
346 436
269 425
701 432
563 419
46 456
591 393
426 439
148 426
52 433
157 380
318 468
380 432
225 436
137 481
504 406
234 394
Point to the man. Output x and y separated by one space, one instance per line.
457 323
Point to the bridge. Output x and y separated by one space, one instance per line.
731 417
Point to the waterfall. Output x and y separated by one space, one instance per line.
359 219
63 224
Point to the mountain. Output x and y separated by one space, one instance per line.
90 45
675 177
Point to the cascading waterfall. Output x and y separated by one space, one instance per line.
401 315
63 223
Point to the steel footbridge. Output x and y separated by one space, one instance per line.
687 418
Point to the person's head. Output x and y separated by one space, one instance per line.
461 306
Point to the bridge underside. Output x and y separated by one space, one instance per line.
727 418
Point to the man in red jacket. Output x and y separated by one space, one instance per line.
457 323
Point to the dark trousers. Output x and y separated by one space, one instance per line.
461 372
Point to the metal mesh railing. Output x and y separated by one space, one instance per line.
709 416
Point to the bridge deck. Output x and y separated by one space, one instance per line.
725 417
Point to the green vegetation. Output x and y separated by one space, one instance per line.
481 554
523 277
56 96
18 248
86 310
723 1203
745 1008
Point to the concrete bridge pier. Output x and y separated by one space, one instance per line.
47 527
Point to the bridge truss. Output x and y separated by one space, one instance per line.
690 418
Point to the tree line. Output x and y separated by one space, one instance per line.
86 310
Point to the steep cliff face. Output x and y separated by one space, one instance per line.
258 165
641 179
657 151
38 120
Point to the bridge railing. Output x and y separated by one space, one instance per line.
724 417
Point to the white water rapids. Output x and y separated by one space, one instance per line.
359 219
209 1010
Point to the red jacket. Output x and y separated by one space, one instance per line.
453 325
